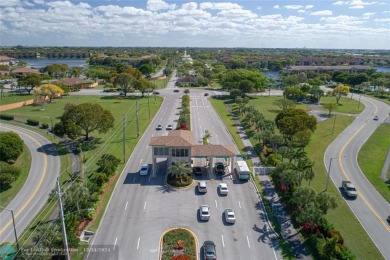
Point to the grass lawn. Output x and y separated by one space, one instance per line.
372 157
346 105
110 143
14 98
24 163
264 104
342 217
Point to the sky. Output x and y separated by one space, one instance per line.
325 24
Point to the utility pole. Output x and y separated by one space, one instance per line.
64 237
124 138
13 222
149 103
359 100
136 107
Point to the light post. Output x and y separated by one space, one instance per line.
359 101
334 123
330 165
52 126
13 222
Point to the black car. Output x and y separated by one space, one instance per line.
197 171
209 250
219 168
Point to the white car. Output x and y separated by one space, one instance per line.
159 127
144 169
202 187
204 212
169 127
223 189
230 217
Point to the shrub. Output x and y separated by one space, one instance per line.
7 117
108 164
174 181
8 174
335 233
45 125
32 122
181 257
11 146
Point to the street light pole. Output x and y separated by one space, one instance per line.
334 123
13 222
330 165
359 101
65 238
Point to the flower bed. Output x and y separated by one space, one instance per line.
178 244
176 182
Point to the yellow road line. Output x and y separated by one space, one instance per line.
36 189
346 176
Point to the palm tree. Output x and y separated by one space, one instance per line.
206 137
179 169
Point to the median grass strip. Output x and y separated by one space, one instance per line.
342 217
24 163
109 143
178 242
372 158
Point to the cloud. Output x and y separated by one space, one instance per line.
157 5
322 13
10 3
219 6
301 11
277 6
382 20
355 4
294 7
309 6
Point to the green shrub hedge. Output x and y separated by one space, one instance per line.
7 117
32 122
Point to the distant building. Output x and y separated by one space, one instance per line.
24 71
77 82
350 69
5 60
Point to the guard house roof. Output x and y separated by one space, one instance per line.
185 138
212 150
175 138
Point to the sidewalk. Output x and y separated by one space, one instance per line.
289 233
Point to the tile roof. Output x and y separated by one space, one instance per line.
175 138
26 70
213 150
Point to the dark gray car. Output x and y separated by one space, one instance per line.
209 250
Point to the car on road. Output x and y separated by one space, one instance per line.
144 169
206 94
230 217
176 90
388 219
209 251
204 212
349 189
197 171
219 168
156 93
376 118
202 187
159 127
223 189
169 127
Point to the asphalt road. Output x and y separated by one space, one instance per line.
370 208
45 167
141 208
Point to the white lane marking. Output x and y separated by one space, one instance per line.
115 243
140 162
138 242
223 242
216 204
239 204
126 205
247 239
145 205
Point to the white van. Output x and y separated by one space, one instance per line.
242 170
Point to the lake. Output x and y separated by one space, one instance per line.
40 63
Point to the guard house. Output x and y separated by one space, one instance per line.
179 145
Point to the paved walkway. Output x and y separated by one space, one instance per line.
289 233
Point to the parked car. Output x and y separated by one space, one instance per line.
144 169
230 217
202 188
349 189
206 94
219 168
209 251
223 189
197 171
156 93
176 90
376 118
159 127
204 212
169 127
